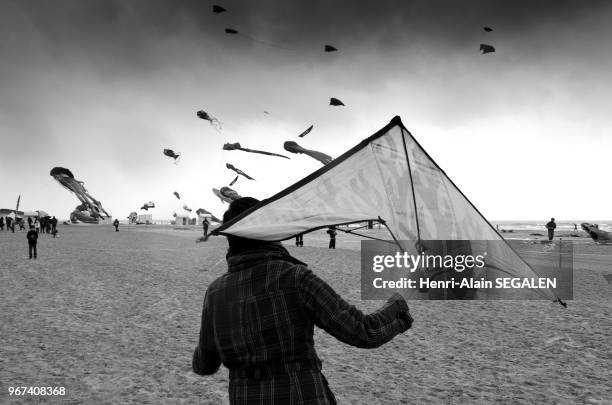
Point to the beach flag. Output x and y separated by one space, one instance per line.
387 177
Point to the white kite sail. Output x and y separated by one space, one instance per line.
387 177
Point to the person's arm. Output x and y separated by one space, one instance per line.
347 323
206 360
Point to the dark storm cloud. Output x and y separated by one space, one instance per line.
126 30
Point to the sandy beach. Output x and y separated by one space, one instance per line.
114 317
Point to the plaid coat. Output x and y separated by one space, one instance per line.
258 320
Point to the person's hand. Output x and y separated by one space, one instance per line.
404 313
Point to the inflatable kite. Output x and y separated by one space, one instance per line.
147 205
213 121
484 48
90 209
303 134
597 234
234 181
236 146
171 154
335 102
238 171
293 147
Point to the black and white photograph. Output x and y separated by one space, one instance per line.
283 202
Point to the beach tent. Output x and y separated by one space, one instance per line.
389 178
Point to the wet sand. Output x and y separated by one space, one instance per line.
114 318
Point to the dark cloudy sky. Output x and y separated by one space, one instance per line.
101 87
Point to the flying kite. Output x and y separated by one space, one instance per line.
147 205
177 195
133 217
230 31
90 208
487 29
236 146
335 102
234 181
484 48
202 211
213 121
171 154
265 112
293 147
329 48
186 208
218 9
306 132
373 181
238 171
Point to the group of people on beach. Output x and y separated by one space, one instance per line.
42 225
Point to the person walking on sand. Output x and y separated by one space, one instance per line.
116 225
54 226
258 320
332 237
205 224
37 226
299 240
575 227
32 237
29 222
551 228
1 223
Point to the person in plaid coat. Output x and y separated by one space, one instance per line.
258 320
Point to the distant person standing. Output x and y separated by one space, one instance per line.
1 223
29 222
54 226
299 240
551 228
9 224
32 237
205 224
116 225
37 226
332 237
575 227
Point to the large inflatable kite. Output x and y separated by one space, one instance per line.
293 147
90 210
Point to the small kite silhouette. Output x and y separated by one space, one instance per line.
176 194
230 31
487 29
484 48
218 9
213 121
303 134
293 147
335 102
234 181
171 154
236 146
238 171
329 48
